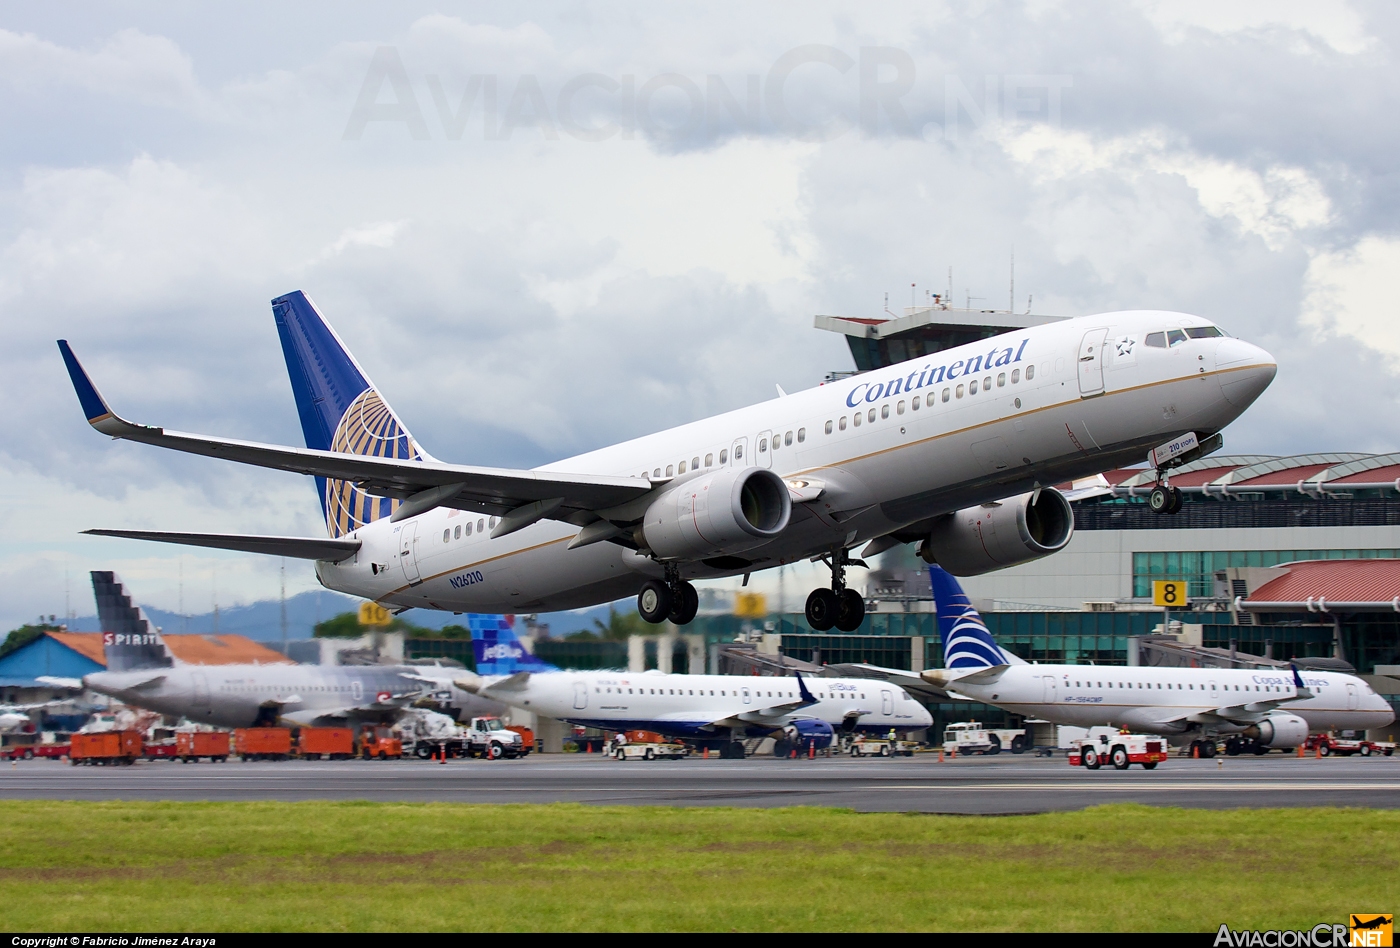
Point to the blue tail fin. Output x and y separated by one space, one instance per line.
967 643
498 651
340 410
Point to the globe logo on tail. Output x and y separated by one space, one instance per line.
368 427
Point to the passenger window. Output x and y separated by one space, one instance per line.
802 434
656 473
855 419
762 445
959 393
446 535
1015 376
828 426
457 532
1001 380
724 456
870 415
787 439
987 384
777 442
681 469
695 464
1157 340
1175 337
899 409
842 423
1030 372
971 387
885 410
945 394
738 452
709 460
469 528
915 404
670 471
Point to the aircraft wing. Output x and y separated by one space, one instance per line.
908 680
53 681
306 548
421 484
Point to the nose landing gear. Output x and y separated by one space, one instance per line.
673 599
1164 498
838 606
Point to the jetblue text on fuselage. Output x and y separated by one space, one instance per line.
930 375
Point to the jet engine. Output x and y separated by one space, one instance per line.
1279 729
805 735
1019 529
729 511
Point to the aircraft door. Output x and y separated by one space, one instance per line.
408 552
762 456
1213 695
1353 699
1048 693
200 684
580 695
886 702
357 689
736 453
1091 362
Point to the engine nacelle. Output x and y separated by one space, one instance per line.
729 511
809 731
1279 729
992 536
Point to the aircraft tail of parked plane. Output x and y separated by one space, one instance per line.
130 641
967 642
497 649
341 410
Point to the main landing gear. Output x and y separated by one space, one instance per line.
838 606
672 598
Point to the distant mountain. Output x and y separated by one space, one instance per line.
262 621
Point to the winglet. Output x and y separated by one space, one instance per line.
1303 690
94 408
802 689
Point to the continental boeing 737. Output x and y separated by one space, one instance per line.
952 451
1260 709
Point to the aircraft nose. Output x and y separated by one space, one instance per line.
1245 370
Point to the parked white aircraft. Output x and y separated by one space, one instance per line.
951 451
707 709
1257 709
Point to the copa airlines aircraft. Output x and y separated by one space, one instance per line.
718 709
951 451
141 671
1258 708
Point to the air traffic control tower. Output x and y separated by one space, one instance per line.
922 330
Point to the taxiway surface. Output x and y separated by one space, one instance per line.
1003 784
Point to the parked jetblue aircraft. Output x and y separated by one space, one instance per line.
951 451
142 672
1258 709
718 709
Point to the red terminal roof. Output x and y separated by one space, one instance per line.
1376 475
1289 475
1376 581
191 649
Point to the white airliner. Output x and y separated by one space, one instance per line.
951 451
1254 709
719 710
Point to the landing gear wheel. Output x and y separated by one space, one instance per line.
850 610
686 603
822 608
1120 759
1177 499
654 602
1160 500
1091 759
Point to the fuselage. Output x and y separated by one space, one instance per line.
710 705
864 457
242 695
1164 700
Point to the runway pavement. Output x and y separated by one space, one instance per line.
984 785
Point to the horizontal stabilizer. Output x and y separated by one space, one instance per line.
305 548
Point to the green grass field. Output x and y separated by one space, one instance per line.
375 867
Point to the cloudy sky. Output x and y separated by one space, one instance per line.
546 231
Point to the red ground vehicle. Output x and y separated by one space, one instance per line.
377 743
192 745
107 748
334 743
1120 750
262 743
30 751
162 750
1326 745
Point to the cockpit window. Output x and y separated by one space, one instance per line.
1157 340
1204 332
1175 337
